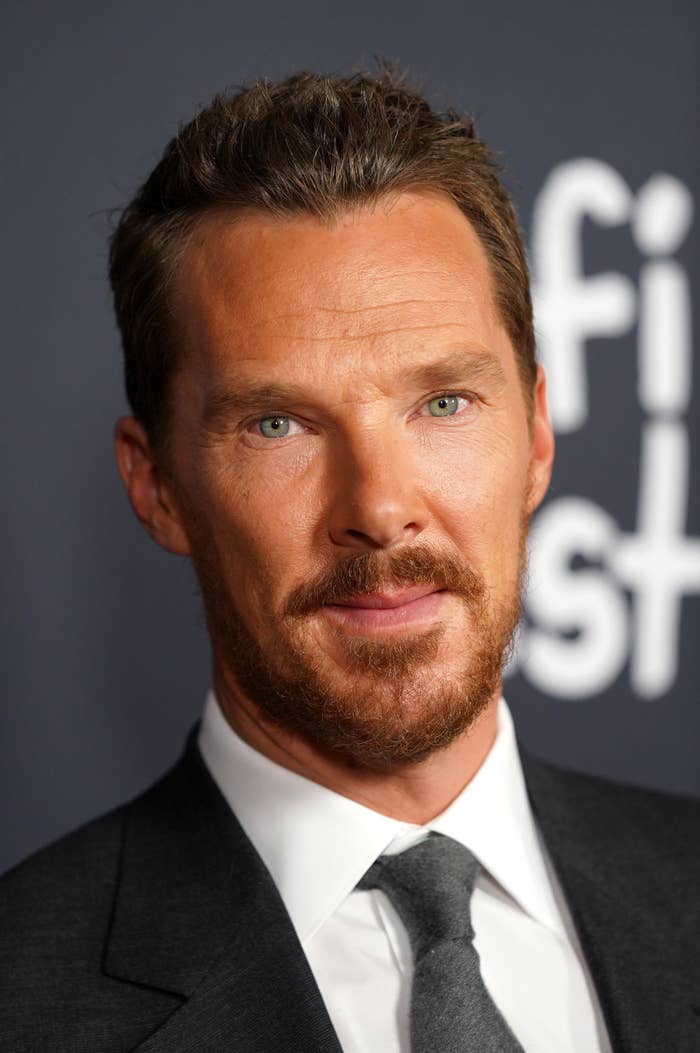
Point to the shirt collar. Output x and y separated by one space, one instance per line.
492 817
317 844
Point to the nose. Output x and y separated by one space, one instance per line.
376 502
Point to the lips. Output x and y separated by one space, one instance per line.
388 600
400 610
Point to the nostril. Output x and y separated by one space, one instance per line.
382 538
364 539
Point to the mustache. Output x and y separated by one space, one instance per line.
372 572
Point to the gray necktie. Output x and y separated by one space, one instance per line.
431 885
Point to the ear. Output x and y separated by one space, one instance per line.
542 444
146 485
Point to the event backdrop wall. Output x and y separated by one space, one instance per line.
594 110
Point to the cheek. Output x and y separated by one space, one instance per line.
257 529
476 492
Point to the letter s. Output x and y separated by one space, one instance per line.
562 600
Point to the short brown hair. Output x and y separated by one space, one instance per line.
315 144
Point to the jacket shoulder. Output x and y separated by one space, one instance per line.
662 814
56 908
648 835
64 882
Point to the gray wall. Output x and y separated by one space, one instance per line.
103 654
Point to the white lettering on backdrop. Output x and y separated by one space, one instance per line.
581 626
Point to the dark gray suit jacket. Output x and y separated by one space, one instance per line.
157 928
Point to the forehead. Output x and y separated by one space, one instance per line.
256 292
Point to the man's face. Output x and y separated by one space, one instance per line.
354 469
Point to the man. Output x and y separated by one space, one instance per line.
337 415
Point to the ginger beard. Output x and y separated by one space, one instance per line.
390 705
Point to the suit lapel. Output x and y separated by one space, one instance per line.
607 876
260 997
198 914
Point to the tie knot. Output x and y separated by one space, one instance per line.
430 886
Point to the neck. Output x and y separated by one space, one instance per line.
413 793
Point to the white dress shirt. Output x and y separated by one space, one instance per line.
317 845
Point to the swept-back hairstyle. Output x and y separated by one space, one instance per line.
309 144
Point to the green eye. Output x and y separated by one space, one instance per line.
274 427
444 405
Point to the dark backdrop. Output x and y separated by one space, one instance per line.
594 108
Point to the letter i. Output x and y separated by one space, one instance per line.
663 214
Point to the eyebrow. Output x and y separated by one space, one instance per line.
461 367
